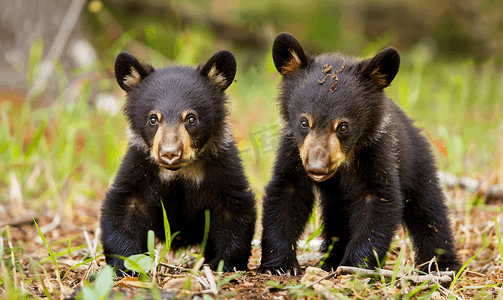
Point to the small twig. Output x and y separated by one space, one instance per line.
154 272
16 196
89 244
173 275
198 265
323 278
96 238
203 282
174 267
211 280
31 181
91 269
447 293
444 277
202 292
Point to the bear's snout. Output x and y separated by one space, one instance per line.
321 155
170 155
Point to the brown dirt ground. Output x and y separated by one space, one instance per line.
485 271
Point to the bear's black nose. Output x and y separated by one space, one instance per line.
317 168
170 155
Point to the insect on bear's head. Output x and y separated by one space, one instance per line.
174 113
332 104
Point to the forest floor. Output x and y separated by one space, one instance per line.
35 275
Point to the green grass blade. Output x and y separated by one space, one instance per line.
139 263
341 296
90 259
206 233
34 60
430 292
104 282
500 244
34 266
453 283
51 255
36 139
4 233
220 267
167 233
397 266
66 252
322 261
416 290
315 233
151 243
380 265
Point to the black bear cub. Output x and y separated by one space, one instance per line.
181 152
372 168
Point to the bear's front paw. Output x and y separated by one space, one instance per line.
291 270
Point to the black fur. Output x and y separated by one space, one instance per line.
223 61
387 175
282 50
212 179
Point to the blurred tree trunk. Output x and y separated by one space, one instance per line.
22 22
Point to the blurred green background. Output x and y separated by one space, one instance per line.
69 135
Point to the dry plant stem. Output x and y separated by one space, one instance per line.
155 274
440 277
204 283
174 267
323 278
211 280
90 245
16 197
198 265
202 292
93 266
96 239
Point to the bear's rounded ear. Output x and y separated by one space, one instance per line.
220 69
382 68
129 72
288 55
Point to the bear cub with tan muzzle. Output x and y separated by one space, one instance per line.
372 169
181 152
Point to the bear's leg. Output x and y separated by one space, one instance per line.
335 231
124 225
286 210
427 220
287 205
373 220
231 232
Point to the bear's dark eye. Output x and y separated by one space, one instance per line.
304 123
343 127
153 120
191 120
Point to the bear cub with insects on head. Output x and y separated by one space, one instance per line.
372 168
181 152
